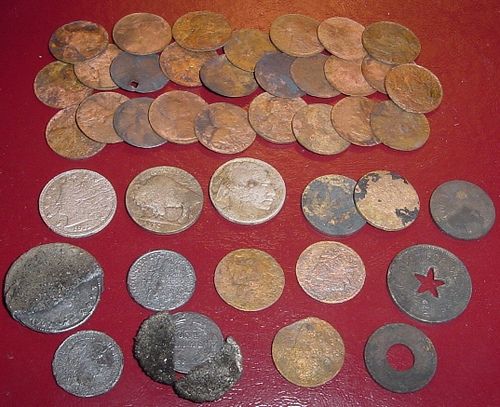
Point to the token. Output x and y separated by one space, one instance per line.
342 37
375 72
94 72
246 47
309 75
346 76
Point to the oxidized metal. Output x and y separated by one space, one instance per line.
273 75
341 37
246 47
94 72
346 76
309 75
375 71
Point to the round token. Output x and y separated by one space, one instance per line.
273 75
94 72
308 352
309 75
462 210
342 37
386 200
346 76
375 72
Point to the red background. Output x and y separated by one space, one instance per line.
460 44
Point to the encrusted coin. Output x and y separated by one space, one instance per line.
94 72
309 75
375 72
53 287
346 76
246 47
309 352
341 37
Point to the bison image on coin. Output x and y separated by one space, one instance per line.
309 75
246 47
273 75
342 37
347 77
94 72
375 72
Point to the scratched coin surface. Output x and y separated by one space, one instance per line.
249 279
386 200
341 37
164 200
94 72
346 76
161 280
308 352
273 75
247 191
87 364
308 73
462 209
246 47
53 287
375 72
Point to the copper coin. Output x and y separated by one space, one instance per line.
201 31
309 75
94 116
142 33
57 86
309 352
77 41
271 117
314 130
172 116
414 88
66 139
386 200
375 72
296 35
249 279
224 128
397 128
391 43
342 37
346 76
351 119
95 72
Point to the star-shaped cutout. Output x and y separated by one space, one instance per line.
429 283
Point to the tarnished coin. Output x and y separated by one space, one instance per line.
142 33
224 128
309 75
53 287
94 72
386 200
161 280
247 191
77 203
462 210
164 200
271 117
309 352
346 76
328 205
375 71
341 37
87 364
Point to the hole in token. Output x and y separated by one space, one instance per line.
134 84
429 283
400 357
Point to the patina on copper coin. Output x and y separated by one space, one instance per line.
94 72
246 47
386 200
346 76
341 37
308 352
375 72
308 73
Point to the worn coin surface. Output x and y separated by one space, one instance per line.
462 210
296 35
246 47
94 72
341 37
308 352
53 287
375 72
247 191
87 364
346 76
308 73
164 200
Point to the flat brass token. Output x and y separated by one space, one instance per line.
375 72
309 75
94 72
246 47
346 76
342 37
273 75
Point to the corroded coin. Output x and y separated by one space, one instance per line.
247 191
386 200
164 200
375 72
309 75
341 37
249 279
346 76
224 128
462 209
53 287
309 352
94 72
246 47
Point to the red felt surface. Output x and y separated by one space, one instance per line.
460 43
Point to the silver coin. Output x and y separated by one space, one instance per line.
87 364
161 280
53 287
77 203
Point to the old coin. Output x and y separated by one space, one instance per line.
246 47
346 76
87 364
271 117
164 200
247 191
77 203
273 75
375 71
309 75
94 72
328 205
224 128
161 280
386 200
309 352
341 37
53 287
462 209
142 33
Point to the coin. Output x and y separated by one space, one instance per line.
164 200
77 203
94 72
309 352
328 205
247 191
87 364
271 117
53 288
346 76
161 280
386 200
314 130
246 47
224 128
342 37
375 72
142 33
309 75
462 210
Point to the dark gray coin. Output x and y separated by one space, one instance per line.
273 75
452 283
213 378
53 287
400 381
87 364
462 209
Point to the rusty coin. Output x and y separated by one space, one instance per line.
308 73
342 37
94 72
375 72
273 75
346 76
